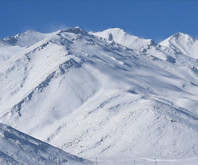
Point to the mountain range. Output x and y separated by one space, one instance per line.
108 94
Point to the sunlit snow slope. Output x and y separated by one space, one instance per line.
19 148
104 94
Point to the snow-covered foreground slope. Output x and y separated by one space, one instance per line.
19 148
96 98
148 161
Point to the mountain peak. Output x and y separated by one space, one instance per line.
114 30
25 39
76 30
182 43
123 38
181 35
178 37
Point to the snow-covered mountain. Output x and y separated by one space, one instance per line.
120 36
19 148
106 94
182 43
26 39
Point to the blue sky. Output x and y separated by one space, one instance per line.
156 19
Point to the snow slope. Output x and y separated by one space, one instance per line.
19 148
7 51
96 98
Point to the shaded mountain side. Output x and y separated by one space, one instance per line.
19 148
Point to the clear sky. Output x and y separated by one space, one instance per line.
156 19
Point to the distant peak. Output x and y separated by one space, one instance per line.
181 36
76 30
119 32
114 31
177 37
121 37
25 39
28 32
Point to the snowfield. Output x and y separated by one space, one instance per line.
107 95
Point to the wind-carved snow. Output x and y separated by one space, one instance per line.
105 94
19 148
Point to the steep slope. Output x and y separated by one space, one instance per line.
96 98
121 37
19 148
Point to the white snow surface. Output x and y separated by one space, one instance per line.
127 97
7 51
19 148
